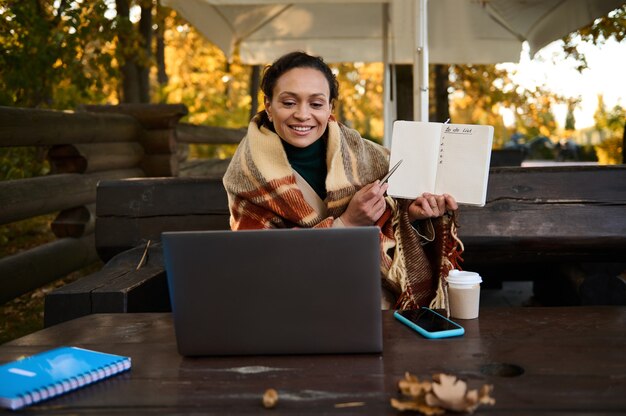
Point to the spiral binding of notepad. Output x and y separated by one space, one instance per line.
29 381
73 383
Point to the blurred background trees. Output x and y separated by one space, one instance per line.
65 53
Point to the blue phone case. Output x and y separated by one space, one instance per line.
457 331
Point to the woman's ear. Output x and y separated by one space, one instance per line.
332 118
268 108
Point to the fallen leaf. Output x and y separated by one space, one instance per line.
484 397
413 405
446 392
270 398
412 386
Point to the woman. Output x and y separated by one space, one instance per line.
298 167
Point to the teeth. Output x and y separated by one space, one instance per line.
298 128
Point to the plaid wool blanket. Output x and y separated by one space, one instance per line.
262 193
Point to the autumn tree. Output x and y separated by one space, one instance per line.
55 54
610 126
52 55
63 53
481 91
215 91
570 120
360 103
611 26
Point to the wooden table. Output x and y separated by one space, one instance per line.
573 362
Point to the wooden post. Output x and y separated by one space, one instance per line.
404 82
159 122
442 102
255 82
624 145
75 222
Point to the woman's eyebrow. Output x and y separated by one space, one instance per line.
318 94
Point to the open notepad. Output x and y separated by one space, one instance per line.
441 158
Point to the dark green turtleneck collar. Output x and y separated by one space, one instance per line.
310 163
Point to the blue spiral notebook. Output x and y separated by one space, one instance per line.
51 373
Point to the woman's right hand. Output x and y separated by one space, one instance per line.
366 206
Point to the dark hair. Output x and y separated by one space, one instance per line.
288 62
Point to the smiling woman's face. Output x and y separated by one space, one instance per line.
300 107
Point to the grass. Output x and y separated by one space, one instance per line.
24 315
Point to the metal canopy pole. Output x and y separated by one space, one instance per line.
420 60
389 92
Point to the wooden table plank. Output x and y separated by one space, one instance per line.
573 362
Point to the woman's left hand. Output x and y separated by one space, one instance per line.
431 206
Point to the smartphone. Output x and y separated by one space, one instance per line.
429 323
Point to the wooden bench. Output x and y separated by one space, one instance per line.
536 222
549 213
564 228
129 213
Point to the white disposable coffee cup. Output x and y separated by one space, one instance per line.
464 294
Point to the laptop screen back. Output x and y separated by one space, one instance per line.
288 291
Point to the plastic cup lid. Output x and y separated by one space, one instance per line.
461 277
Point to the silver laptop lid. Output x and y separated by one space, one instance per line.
288 291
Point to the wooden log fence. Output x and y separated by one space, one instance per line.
84 147
27 198
34 127
191 133
158 135
94 157
28 270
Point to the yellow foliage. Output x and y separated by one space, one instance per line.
215 91
610 151
360 103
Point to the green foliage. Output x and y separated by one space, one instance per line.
611 26
479 92
610 125
23 235
215 91
609 120
570 120
55 54
587 153
482 91
22 162
24 314
360 103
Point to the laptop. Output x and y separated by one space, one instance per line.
279 291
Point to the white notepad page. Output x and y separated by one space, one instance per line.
441 158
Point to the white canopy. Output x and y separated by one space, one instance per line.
459 31
452 31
